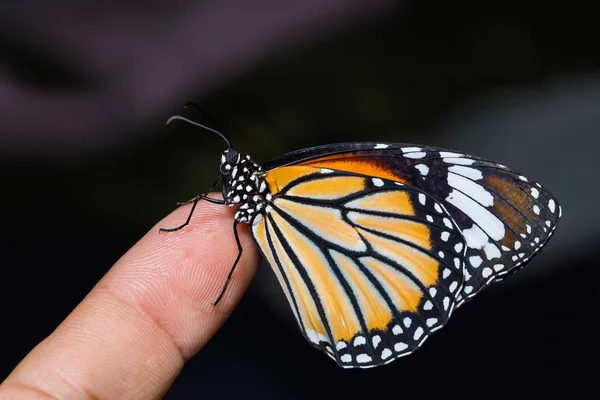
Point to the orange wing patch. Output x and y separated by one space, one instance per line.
366 167
260 234
515 196
404 293
340 314
374 308
422 266
278 178
328 188
410 231
326 222
396 202
309 315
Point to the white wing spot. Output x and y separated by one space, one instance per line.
456 262
431 322
467 172
458 160
326 170
485 223
536 209
377 182
400 346
486 272
312 336
468 289
498 267
385 353
467 275
397 330
446 303
408 149
444 154
346 358
437 208
423 169
446 273
418 333
428 305
470 188
453 286
441 254
445 236
429 218
415 155
432 291
340 345
376 341
448 223
359 341
552 205
381 146
521 177
422 198
535 193
492 251
407 321
475 261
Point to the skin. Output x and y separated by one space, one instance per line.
131 335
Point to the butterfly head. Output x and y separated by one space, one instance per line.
230 159
242 179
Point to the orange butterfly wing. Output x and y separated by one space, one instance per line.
370 267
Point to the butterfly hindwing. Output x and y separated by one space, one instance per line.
504 216
370 267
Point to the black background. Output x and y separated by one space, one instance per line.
88 166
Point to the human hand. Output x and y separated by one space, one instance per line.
131 335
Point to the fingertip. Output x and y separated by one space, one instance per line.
181 272
151 312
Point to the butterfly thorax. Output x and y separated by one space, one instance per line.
243 182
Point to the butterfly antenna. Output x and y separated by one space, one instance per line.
212 121
179 117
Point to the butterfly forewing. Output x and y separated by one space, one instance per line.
370 267
504 216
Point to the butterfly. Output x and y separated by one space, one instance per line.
376 244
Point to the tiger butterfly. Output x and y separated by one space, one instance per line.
376 244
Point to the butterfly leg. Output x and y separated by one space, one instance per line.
200 197
195 200
240 250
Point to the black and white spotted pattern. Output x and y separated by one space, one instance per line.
244 183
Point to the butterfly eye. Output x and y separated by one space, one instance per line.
225 169
233 157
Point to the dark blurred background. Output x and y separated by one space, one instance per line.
88 165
